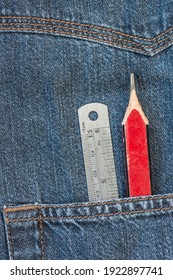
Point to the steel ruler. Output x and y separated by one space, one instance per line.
98 152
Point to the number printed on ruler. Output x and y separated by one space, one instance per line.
98 152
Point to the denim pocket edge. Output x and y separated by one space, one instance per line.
18 218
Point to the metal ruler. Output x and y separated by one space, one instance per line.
98 152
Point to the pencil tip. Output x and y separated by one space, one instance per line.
133 95
133 102
132 82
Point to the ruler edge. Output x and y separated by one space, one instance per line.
82 135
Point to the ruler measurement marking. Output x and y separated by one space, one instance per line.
98 152
106 153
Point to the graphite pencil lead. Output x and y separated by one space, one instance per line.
133 102
132 82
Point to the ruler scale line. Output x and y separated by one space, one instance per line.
98 152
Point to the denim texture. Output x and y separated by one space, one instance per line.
121 229
55 57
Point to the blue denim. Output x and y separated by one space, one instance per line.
57 56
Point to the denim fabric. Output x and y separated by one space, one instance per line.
121 229
55 57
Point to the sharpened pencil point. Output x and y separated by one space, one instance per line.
133 102
132 82
133 96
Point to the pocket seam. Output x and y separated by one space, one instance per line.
40 225
111 30
10 246
90 216
9 235
87 204
90 32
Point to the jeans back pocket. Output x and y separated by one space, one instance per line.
138 228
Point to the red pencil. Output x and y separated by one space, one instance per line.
136 146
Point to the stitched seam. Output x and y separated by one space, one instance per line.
83 31
88 25
94 216
9 237
40 219
111 202
120 201
87 31
92 38
161 48
23 208
76 35
73 29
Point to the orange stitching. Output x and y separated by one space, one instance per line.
24 220
78 35
92 38
161 48
100 203
112 214
21 208
41 234
9 237
74 29
86 31
158 43
94 216
89 25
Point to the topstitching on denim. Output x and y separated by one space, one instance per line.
91 217
105 35
88 211
88 204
